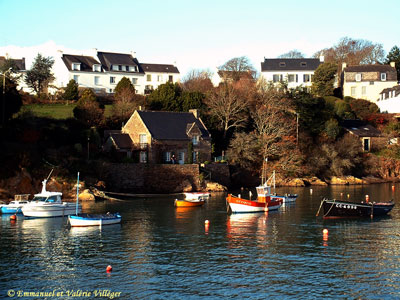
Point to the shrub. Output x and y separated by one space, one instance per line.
71 91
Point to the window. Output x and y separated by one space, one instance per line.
133 69
76 78
292 78
112 79
303 64
371 83
96 80
353 91
282 64
76 67
159 78
306 78
358 77
195 140
143 157
114 68
96 68
119 68
134 80
366 144
143 141
170 78
383 76
181 157
167 156
364 91
275 78
148 77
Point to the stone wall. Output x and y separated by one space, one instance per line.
219 173
149 178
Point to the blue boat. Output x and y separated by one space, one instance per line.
15 206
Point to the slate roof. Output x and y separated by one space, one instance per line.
159 68
370 68
395 88
19 63
290 64
171 125
108 59
86 62
360 128
121 140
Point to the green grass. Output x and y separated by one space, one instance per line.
57 111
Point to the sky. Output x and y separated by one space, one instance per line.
193 34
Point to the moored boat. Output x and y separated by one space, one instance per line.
189 203
82 219
48 204
342 209
14 207
197 196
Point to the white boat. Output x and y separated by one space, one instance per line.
49 204
14 207
198 196
82 220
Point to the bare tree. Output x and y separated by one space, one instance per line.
197 80
238 67
292 54
124 105
229 106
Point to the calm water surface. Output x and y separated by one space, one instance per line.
161 252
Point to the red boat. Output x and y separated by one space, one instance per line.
264 202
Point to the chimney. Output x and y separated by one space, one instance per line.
393 64
321 58
195 112
344 65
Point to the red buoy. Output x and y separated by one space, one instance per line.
109 269
13 217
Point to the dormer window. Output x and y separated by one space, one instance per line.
76 67
114 67
383 76
96 68
303 64
195 139
358 77
282 64
132 68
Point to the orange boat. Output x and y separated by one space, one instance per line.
189 203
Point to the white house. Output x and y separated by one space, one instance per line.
296 71
106 69
367 81
389 100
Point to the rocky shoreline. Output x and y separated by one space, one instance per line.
24 183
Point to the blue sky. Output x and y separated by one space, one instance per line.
197 34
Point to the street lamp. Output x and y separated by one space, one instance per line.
4 94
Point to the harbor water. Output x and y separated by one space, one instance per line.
163 252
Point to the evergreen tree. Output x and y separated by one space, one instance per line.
394 55
123 86
166 97
40 75
71 91
88 110
323 80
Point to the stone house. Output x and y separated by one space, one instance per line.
367 81
369 136
163 137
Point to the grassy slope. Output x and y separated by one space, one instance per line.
57 111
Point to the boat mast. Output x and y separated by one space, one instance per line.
77 196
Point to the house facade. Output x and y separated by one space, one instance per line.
295 71
164 137
389 100
367 81
103 71
369 136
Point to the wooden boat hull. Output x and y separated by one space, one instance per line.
83 220
239 205
343 209
188 203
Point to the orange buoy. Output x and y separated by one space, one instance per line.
366 198
109 269
325 231
206 222
13 217
325 234
393 188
